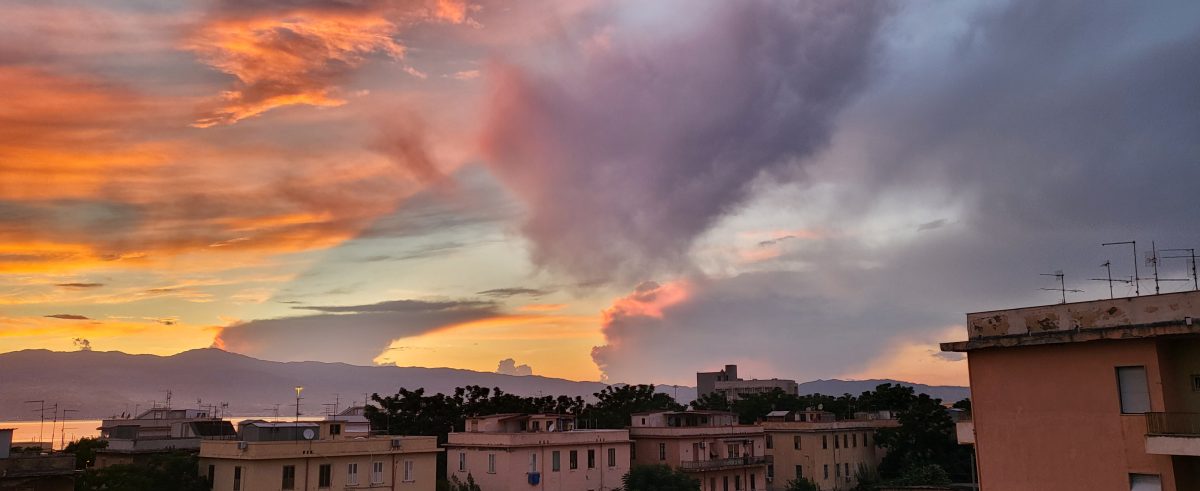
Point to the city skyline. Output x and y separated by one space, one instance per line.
612 191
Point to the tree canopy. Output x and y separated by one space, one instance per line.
658 478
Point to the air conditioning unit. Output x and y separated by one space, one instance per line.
396 442
242 445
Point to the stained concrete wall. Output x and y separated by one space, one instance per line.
1085 315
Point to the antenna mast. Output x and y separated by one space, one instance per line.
1191 257
1137 291
1062 284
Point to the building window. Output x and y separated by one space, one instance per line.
731 450
796 442
408 471
737 483
1145 482
836 442
352 474
574 459
712 484
854 440
612 457
462 462
289 477
866 439
335 429
376 472
1196 383
837 470
491 463
633 452
825 468
1134 391
725 483
662 451
237 478
325 476
752 484
845 440
847 464
212 475
532 462
799 471
555 461
591 459
770 471
770 444
824 441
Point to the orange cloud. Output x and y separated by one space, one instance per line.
648 300
918 361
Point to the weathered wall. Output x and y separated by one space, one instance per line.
1085 315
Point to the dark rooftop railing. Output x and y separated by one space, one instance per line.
1180 424
713 464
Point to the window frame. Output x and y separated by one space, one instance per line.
289 478
1126 406
377 472
325 476
352 473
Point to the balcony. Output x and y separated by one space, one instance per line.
719 464
1173 434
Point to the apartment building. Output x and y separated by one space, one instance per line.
318 455
158 430
710 445
727 383
815 446
1098 396
537 452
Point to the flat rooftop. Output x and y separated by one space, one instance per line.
1168 314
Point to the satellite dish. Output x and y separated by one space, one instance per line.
309 434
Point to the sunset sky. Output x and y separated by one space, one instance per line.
629 191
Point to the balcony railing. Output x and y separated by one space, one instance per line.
714 464
1179 424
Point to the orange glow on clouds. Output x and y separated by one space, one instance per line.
648 300
919 361
133 336
557 344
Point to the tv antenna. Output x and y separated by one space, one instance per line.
42 416
1191 257
1137 291
1062 285
1108 269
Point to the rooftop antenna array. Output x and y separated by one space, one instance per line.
41 416
1152 260
1062 285
1108 269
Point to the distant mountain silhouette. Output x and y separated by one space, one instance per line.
103 383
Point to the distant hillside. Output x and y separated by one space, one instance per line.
835 387
100 384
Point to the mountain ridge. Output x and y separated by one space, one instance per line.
103 383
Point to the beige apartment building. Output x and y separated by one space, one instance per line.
726 383
537 452
710 445
319 455
815 446
1097 396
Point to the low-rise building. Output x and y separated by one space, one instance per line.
722 454
1098 395
158 430
815 446
34 471
537 451
318 455
726 382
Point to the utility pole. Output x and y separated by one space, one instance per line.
296 431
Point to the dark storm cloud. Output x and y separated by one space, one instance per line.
352 333
1021 142
641 149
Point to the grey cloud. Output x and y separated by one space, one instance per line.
353 333
79 285
624 161
72 317
514 291
508 366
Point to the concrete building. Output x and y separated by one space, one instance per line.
539 452
727 383
34 471
1099 396
318 455
158 430
721 454
817 447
